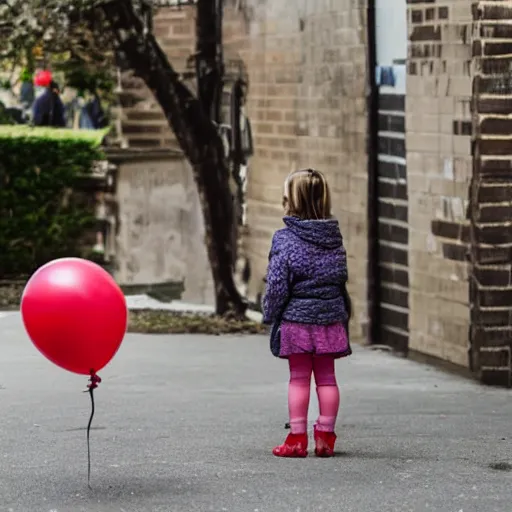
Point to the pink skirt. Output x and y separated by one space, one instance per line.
314 339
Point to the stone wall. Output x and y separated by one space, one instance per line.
161 231
438 141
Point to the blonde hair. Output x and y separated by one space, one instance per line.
307 195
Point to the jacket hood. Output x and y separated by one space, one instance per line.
324 233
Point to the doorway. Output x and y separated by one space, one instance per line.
390 199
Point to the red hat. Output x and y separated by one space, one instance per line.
43 79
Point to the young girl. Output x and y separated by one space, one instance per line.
306 296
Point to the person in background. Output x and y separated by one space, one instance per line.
48 109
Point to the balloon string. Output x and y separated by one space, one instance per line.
94 381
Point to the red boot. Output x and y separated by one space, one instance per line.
296 445
324 443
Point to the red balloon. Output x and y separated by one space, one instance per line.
75 314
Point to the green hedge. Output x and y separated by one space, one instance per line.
41 217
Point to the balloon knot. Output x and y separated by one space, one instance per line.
94 380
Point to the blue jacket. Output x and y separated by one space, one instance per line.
49 110
307 274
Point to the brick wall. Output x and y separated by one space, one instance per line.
438 141
307 70
491 193
141 121
307 66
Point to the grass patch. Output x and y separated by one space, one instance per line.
150 321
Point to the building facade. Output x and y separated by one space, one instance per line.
404 104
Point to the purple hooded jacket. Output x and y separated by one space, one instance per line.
307 273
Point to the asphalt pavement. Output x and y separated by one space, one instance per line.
187 423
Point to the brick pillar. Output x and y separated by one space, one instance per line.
439 169
491 194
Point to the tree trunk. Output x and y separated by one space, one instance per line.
209 56
197 137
